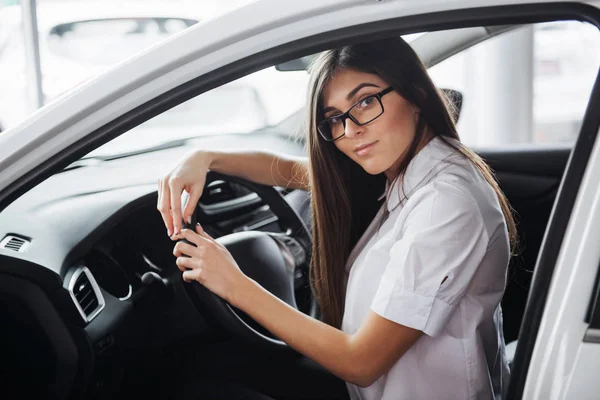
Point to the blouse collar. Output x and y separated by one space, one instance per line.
426 163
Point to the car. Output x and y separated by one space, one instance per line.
77 41
92 302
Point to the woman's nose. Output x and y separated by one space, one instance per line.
351 129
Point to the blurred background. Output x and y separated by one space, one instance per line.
78 39
528 86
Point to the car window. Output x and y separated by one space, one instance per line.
9 29
4 37
536 99
257 101
109 41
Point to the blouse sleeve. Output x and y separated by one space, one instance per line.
432 261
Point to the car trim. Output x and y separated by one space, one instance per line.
592 336
95 288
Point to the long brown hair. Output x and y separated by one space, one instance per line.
344 196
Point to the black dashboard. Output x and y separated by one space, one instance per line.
79 257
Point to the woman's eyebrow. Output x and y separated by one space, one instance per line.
351 94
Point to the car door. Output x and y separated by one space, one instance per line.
558 348
267 32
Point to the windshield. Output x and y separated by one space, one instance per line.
254 102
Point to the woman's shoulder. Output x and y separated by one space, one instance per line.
445 191
441 171
458 190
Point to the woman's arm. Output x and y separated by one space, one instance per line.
190 175
360 358
262 167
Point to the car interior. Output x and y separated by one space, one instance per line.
93 306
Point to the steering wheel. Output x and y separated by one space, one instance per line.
277 261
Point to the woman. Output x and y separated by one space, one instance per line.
414 310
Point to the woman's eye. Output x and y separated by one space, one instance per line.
334 120
366 102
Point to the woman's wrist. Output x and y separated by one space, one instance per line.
243 291
208 158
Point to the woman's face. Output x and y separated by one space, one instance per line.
388 137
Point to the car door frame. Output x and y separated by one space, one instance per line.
497 15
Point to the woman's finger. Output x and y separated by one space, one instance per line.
200 231
193 275
176 188
164 206
192 237
194 196
158 184
182 248
186 263
181 264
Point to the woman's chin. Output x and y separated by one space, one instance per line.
373 168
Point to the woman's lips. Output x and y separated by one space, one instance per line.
364 149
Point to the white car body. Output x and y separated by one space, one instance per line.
562 365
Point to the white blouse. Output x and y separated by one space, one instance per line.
437 263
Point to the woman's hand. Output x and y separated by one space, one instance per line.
188 175
210 264
360 358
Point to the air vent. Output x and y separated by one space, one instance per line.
14 243
86 293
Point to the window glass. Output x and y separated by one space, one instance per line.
255 102
13 101
77 41
109 41
529 85
6 32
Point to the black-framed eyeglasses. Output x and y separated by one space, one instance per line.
361 113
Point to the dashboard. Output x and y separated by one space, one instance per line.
87 271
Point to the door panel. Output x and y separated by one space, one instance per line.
530 179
